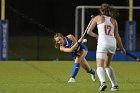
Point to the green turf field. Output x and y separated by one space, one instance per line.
52 77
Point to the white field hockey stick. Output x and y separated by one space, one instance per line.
87 27
79 43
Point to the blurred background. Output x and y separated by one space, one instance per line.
31 24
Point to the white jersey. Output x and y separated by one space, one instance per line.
106 37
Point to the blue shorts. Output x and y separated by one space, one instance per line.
82 47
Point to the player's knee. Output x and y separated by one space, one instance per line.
83 53
78 59
100 63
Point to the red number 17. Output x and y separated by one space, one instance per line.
107 29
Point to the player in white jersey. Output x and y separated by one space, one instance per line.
108 35
106 39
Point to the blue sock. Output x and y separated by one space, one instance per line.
91 71
75 70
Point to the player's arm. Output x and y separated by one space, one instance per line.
71 37
75 42
118 38
92 26
63 49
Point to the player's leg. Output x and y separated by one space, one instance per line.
75 69
100 58
88 69
110 72
83 62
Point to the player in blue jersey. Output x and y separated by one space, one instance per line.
69 44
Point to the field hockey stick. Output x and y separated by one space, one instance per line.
79 43
88 26
132 56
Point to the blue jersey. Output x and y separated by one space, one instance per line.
70 44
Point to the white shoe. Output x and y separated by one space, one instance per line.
115 88
103 87
71 80
93 77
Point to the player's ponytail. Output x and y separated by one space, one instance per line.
108 10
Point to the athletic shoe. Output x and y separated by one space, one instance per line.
115 88
71 80
103 87
93 77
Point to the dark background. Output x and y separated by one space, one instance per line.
55 16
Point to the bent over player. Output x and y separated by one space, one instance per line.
69 44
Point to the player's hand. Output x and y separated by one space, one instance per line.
123 51
96 37
138 59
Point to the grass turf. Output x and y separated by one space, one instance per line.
52 77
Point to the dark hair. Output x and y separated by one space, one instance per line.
57 46
108 10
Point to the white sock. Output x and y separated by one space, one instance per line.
111 75
101 74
